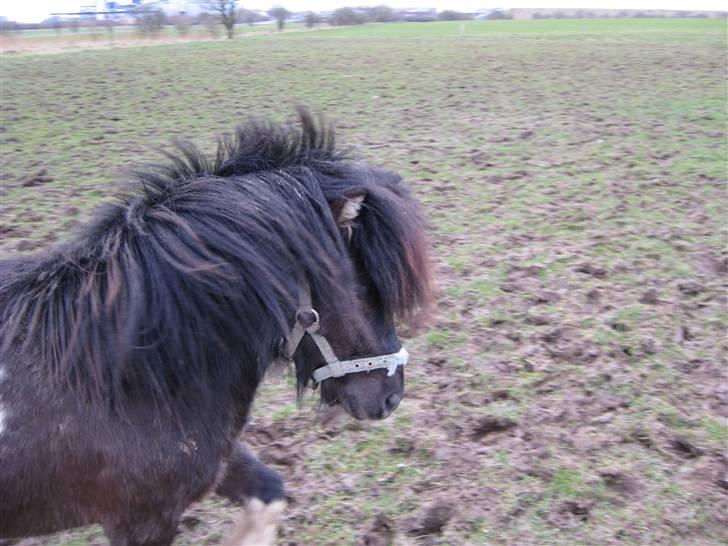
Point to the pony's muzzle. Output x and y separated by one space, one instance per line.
372 409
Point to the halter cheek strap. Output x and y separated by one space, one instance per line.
307 322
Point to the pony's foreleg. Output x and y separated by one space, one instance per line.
246 477
257 525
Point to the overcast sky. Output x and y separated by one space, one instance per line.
31 11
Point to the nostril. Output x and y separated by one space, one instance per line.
391 403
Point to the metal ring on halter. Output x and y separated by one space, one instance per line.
308 319
308 322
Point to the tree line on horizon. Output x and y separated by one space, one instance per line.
228 13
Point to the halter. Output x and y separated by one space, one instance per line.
307 322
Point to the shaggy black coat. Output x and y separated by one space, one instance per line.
130 355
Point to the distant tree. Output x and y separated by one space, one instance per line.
226 11
245 16
280 14
182 24
6 25
53 22
248 16
500 14
211 23
382 14
94 30
347 16
452 15
109 25
149 22
311 19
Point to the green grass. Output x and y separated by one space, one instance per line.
716 430
443 29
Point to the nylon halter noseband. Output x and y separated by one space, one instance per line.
307 322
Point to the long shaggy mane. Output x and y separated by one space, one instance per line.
192 275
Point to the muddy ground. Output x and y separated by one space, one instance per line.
572 389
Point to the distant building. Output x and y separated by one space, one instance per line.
121 5
483 13
419 15
173 7
88 9
118 10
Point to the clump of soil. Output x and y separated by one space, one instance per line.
434 518
39 178
379 533
490 424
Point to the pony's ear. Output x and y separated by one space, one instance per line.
350 210
346 209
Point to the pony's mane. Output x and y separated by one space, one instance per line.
194 273
256 146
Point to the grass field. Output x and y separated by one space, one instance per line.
573 388
51 41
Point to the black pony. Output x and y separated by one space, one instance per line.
131 355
